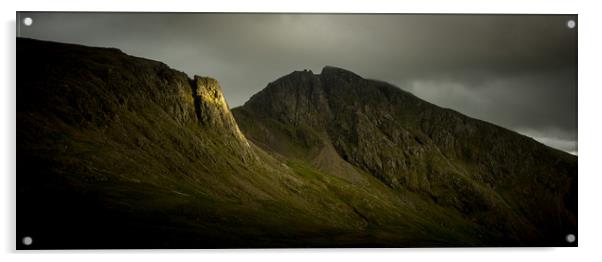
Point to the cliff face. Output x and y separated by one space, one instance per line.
212 108
488 173
137 155
214 114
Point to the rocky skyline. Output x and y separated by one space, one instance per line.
518 71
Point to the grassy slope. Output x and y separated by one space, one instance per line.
170 201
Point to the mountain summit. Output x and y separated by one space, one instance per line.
116 151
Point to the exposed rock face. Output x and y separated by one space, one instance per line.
484 171
295 99
214 113
212 108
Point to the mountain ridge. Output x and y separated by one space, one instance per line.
139 155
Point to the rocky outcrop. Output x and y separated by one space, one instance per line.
211 106
294 99
214 114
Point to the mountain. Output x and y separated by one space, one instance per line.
116 151
518 189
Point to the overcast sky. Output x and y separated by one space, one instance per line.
517 71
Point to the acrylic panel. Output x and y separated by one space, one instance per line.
295 130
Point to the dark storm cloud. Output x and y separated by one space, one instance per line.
516 71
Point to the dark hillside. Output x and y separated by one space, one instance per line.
116 151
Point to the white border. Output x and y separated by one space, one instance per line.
590 83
